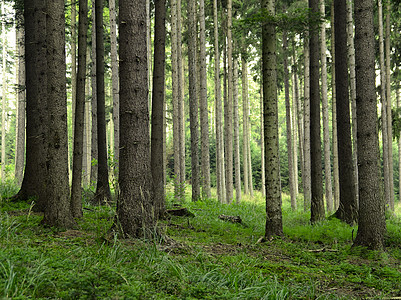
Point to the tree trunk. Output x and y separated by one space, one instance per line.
73 4
20 128
290 154
115 83
307 143
298 130
245 132
351 66
347 210
193 101
57 211
274 223
94 138
325 114
86 162
371 224
4 97
102 188
204 120
317 204
262 143
237 158
135 207
76 189
228 109
219 130
157 137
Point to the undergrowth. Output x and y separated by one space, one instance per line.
202 257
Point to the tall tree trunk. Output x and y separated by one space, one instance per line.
237 158
76 188
298 146
307 143
336 179
94 137
219 130
245 117
274 223
135 207
228 109
262 143
57 211
114 82
325 114
73 4
372 223
351 66
389 117
399 144
86 162
317 204
4 96
204 119
290 154
193 101
250 161
102 188
157 130
386 168
347 210
294 117
20 128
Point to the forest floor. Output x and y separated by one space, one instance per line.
198 257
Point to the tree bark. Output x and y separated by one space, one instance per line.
4 96
307 143
245 115
317 204
94 137
76 188
371 224
274 223
262 143
157 132
347 210
102 188
135 203
237 158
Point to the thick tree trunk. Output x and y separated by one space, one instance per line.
102 188
157 132
325 114
204 119
193 101
57 211
347 210
135 207
237 158
76 189
115 83
317 204
274 223
371 224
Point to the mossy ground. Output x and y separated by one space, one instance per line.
200 257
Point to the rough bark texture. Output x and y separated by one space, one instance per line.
290 154
115 83
317 204
371 224
135 207
347 210
94 150
204 116
57 211
193 101
219 130
237 158
325 113
73 4
157 137
21 99
102 188
307 144
274 223
76 188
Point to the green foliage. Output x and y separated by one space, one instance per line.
201 257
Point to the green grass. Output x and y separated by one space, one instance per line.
203 258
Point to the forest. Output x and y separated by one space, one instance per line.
220 149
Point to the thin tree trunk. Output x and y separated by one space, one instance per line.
262 144
399 145
245 131
157 132
307 146
115 83
20 128
325 114
290 148
237 158
87 130
250 161
204 119
4 97
94 143
73 4
295 128
76 188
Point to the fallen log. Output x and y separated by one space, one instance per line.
180 212
232 219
